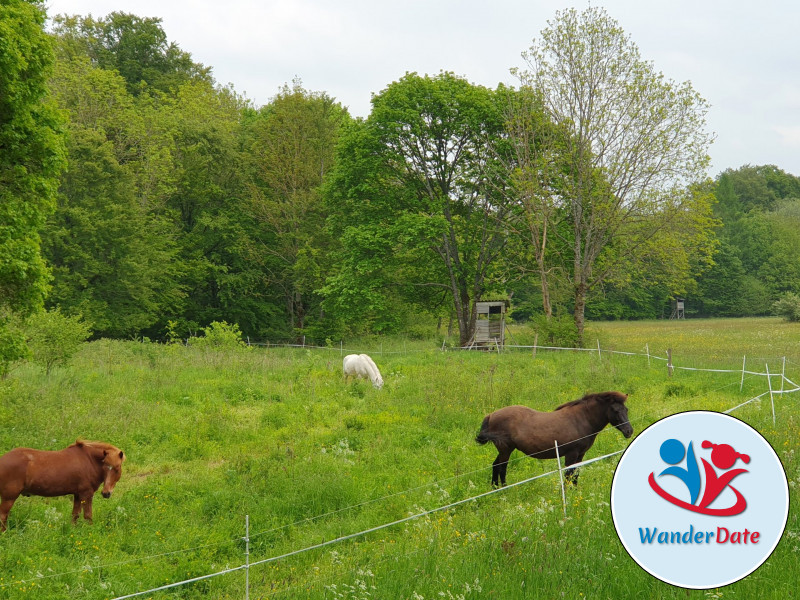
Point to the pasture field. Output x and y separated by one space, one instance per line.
277 434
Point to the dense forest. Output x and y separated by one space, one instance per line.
178 203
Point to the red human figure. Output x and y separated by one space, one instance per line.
724 457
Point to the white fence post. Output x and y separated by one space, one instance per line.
247 557
783 375
561 480
744 362
771 398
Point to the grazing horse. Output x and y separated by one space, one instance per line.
78 470
361 365
573 426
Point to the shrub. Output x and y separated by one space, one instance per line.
788 306
12 344
221 336
556 331
54 338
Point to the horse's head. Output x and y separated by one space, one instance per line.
617 412
112 469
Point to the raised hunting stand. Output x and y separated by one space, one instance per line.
490 326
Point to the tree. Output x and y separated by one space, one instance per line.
415 198
536 167
31 159
110 246
135 47
636 144
291 145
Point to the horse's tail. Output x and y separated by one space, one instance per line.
484 435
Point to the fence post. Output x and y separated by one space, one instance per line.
771 399
647 349
669 361
783 375
561 480
247 557
599 356
744 362
535 343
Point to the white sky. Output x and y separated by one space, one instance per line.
741 56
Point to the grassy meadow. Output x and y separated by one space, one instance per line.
277 434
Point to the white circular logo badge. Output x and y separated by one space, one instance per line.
699 499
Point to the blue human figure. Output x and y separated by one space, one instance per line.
672 452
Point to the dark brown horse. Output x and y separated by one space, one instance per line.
573 426
78 470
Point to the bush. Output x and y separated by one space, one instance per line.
221 336
788 306
556 331
12 343
54 338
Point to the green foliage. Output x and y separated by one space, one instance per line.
759 255
290 149
136 48
54 338
112 249
12 343
220 336
31 159
558 331
636 147
788 306
414 200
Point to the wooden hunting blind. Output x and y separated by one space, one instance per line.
490 326
678 309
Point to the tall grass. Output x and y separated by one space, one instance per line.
277 434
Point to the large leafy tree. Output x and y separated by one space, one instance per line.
290 145
759 258
31 159
220 245
110 245
417 200
536 163
636 143
137 48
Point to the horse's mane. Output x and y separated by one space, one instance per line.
103 445
602 396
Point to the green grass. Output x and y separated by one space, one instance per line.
277 434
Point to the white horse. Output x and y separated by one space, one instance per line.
361 365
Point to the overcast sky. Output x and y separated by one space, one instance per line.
741 56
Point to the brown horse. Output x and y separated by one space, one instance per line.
78 470
573 426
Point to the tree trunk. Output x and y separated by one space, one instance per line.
580 309
546 305
467 315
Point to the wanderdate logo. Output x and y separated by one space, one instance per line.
699 499
723 457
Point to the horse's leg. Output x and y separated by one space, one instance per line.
572 473
500 466
87 508
5 508
76 508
